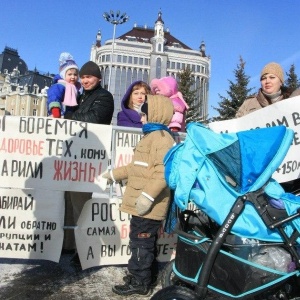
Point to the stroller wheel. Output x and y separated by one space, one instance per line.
175 293
168 277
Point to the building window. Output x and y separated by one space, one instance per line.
158 68
35 101
145 76
141 61
106 78
124 59
140 74
135 61
147 61
183 66
129 77
34 112
119 58
178 66
134 75
173 65
130 59
107 57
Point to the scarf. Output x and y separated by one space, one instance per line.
136 107
150 127
70 94
273 97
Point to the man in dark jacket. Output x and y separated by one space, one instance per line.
96 105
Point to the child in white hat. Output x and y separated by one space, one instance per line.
62 95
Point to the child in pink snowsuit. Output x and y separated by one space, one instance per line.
168 87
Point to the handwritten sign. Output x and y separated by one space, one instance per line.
102 235
285 113
31 224
56 154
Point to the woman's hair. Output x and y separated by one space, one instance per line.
286 92
137 86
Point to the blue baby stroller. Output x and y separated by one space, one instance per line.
238 230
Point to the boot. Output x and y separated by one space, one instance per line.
131 288
127 279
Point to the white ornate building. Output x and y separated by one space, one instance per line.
22 92
144 53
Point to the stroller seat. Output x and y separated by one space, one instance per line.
229 178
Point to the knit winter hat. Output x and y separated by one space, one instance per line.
90 68
273 68
66 62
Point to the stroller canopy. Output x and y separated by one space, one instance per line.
212 170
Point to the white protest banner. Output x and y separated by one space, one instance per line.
125 142
56 154
285 113
102 235
31 224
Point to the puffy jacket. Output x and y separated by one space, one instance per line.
95 106
56 95
146 171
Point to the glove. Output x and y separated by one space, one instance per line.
55 112
108 177
143 205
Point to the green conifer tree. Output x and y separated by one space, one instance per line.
238 92
186 87
292 81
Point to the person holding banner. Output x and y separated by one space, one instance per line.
62 95
133 99
96 105
147 196
272 90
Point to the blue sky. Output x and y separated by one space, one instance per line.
259 31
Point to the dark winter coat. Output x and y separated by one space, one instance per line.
95 106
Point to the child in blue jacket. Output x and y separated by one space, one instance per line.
62 95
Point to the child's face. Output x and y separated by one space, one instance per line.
71 76
144 118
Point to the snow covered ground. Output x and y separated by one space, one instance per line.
37 280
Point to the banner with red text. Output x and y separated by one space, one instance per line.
102 235
53 154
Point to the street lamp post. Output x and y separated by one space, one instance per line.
115 19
